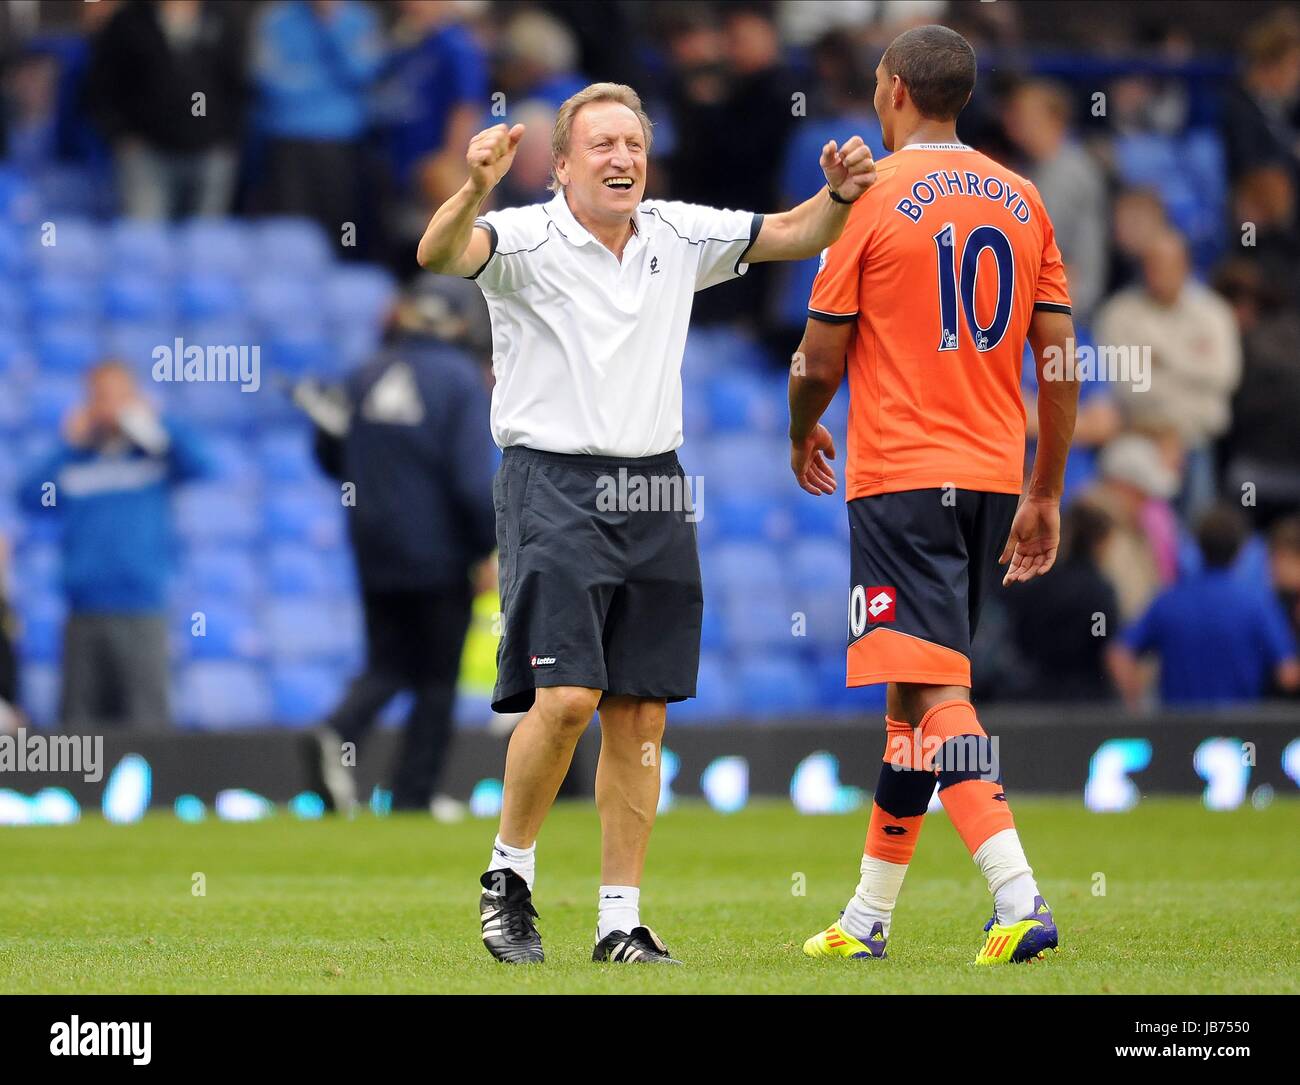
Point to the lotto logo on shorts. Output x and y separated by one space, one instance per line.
880 604
541 661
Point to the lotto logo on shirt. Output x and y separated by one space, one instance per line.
880 604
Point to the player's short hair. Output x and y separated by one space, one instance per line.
596 92
937 65
1220 534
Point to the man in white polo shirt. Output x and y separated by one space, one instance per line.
590 296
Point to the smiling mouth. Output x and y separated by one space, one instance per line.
619 184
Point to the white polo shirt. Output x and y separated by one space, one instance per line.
587 350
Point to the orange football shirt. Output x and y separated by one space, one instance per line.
941 265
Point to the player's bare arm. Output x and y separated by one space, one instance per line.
815 376
1036 530
451 243
804 231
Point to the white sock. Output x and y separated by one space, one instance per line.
874 900
523 861
620 910
1011 881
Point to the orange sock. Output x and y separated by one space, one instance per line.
956 748
902 795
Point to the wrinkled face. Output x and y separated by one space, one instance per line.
882 102
604 169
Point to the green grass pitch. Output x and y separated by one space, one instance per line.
1193 902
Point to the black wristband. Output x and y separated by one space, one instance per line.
839 199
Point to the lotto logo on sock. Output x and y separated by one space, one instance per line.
880 604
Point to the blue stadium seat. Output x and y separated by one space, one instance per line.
359 294
67 348
236 460
823 515
741 567
293 245
713 637
832 694
58 297
51 398
136 296
217 512
773 685
230 628
758 621
300 351
305 692
13 306
77 248
716 697
826 613
819 563
286 455
211 296
294 571
737 464
16 354
42 628
15 257
217 247
747 517
309 515
744 403
223 572
40 692
216 404
217 695
135 341
141 248
355 344
307 628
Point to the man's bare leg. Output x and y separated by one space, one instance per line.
627 784
538 758
627 795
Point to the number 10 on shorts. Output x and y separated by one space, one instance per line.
872 605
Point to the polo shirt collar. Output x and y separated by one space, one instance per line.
574 232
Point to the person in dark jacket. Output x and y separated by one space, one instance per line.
1060 624
166 86
412 439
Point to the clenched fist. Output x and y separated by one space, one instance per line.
849 170
490 155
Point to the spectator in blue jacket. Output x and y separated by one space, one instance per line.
314 62
1219 640
430 100
413 438
110 484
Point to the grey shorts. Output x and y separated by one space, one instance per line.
597 589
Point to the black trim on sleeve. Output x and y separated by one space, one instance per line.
832 318
492 251
1051 307
754 227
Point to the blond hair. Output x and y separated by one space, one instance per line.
595 92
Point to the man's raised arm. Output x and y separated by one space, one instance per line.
804 231
451 245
